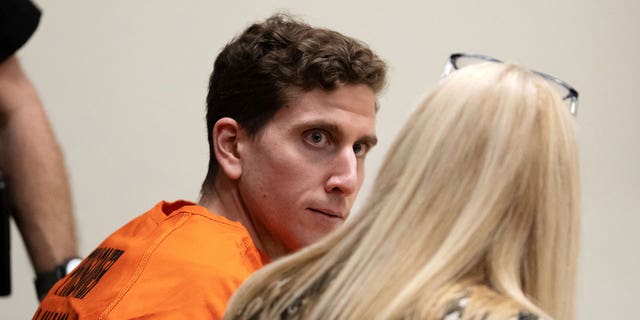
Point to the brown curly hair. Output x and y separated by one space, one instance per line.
252 74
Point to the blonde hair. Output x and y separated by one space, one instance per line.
477 198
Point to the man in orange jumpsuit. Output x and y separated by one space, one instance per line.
290 119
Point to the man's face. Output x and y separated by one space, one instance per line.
303 170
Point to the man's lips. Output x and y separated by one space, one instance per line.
328 212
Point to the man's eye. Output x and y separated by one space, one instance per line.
360 149
316 138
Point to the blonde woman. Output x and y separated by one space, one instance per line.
474 214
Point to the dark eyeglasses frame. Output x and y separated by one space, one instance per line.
572 96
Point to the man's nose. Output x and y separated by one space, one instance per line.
344 173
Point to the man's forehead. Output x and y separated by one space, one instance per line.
345 96
349 110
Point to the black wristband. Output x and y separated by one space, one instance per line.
45 280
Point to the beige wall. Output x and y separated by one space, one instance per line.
124 84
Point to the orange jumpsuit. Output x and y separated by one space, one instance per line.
176 261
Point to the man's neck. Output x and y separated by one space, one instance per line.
224 199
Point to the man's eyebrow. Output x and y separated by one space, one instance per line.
319 124
370 140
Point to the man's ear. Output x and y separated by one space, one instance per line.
226 135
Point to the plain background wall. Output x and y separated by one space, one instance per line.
124 83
